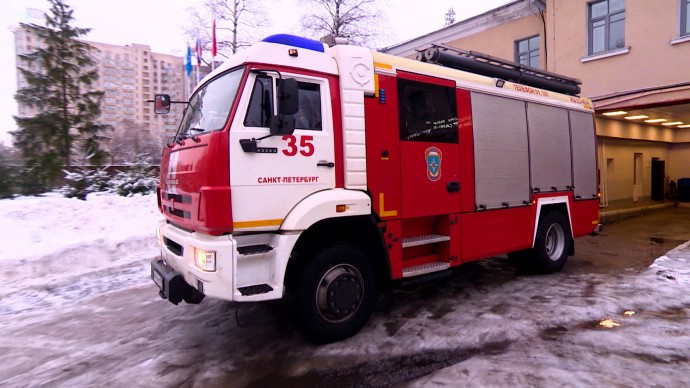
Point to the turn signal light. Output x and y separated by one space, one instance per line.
340 208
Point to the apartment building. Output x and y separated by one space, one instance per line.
632 58
129 76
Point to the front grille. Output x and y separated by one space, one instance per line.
178 197
178 212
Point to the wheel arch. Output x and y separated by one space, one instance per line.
547 205
360 231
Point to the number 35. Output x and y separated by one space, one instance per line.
305 148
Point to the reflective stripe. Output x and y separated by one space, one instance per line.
256 224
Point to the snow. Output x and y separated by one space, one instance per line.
48 239
77 308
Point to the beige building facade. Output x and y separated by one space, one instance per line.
632 58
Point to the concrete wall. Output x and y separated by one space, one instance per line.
633 130
617 156
680 161
652 60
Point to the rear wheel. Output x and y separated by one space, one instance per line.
334 296
552 243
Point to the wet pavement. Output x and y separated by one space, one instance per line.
489 325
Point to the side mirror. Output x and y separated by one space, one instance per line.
161 104
282 125
288 97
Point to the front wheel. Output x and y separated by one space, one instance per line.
552 243
334 296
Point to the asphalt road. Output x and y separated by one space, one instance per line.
454 332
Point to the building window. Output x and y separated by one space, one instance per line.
527 51
684 17
606 25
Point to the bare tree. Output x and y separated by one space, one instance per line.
450 16
237 24
352 19
132 139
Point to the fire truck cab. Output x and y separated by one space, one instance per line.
324 175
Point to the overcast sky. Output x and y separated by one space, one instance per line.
160 23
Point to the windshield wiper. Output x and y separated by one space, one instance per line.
189 135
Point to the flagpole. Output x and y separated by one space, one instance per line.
198 59
188 71
213 45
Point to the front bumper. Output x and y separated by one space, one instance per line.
241 274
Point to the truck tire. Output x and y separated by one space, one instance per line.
552 244
334 295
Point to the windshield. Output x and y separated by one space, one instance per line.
209 107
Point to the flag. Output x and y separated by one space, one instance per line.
188 61
213 38
198 51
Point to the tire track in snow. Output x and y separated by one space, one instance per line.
76 289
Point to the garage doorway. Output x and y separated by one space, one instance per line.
658 179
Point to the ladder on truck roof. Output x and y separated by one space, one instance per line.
484 64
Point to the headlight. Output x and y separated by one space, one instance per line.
205 260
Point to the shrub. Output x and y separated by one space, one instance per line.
85 181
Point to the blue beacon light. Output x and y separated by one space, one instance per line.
295 41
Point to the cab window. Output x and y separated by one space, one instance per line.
262 100
260 108
309 114
427 112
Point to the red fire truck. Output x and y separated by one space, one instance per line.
325 175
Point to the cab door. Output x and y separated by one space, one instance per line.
430 163
268 182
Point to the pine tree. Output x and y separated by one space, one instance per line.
60 76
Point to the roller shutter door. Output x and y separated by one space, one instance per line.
549 142
584 154
500 152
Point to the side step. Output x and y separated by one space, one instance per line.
254 249
423 240
425 268
255 289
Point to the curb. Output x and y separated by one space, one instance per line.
606 217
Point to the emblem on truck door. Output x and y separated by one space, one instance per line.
432 155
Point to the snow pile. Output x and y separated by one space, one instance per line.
48 239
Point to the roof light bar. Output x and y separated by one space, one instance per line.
295 41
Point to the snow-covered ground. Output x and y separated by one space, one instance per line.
77 308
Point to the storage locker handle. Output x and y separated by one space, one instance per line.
453 187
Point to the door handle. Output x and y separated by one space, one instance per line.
323 163
453 187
